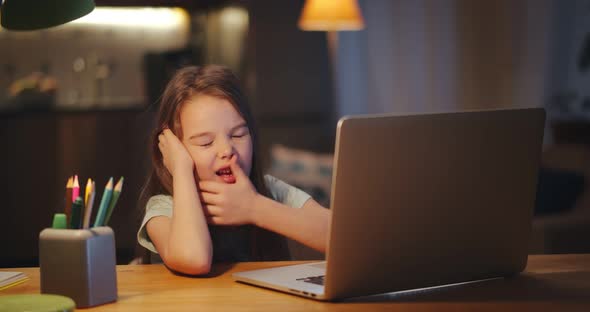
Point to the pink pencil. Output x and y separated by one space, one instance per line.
76 189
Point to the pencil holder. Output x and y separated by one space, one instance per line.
79 264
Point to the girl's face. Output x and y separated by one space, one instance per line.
214 132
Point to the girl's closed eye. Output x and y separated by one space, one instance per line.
202 141
242 132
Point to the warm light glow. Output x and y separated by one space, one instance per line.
234 17
135 17
331 15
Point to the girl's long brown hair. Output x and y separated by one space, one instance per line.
217 81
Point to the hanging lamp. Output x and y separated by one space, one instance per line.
39 14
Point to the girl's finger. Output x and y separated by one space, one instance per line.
236 169
206 211
214 220
211 210
210 198
168 134
211 186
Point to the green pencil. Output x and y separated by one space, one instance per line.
116 193
104 204
77 206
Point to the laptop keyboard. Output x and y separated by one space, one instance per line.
318 280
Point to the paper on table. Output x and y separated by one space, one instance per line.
9 279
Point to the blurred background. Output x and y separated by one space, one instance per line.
80 98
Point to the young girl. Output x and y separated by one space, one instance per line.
208 200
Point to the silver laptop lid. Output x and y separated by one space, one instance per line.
431 199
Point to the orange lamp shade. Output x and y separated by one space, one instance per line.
331 15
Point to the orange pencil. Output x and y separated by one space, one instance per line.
68 210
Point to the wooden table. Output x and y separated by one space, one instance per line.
550 283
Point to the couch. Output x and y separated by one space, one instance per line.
565 228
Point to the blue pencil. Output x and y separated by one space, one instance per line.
104 204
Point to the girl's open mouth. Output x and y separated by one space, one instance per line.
226 175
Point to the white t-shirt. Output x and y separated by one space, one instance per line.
225 246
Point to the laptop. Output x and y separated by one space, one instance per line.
423 200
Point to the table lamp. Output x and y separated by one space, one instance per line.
331 16
39 14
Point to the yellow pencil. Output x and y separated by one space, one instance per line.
87 192
89 206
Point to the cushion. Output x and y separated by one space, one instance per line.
557 190
309 171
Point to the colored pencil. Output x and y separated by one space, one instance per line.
76 213
104 204
116 193
89 204
76 188
86 197
87 191
68 209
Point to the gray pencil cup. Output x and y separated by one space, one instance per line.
79 264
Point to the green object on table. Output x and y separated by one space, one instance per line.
36 303
59 221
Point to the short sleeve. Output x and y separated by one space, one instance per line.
159 205
285 193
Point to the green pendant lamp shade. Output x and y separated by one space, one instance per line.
39 14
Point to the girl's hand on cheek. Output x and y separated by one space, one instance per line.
229 204
175 156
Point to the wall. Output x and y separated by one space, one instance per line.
97 63
292 89
569 92
420 56
43 149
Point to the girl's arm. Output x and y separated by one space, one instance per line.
307 225
240 203
183 241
